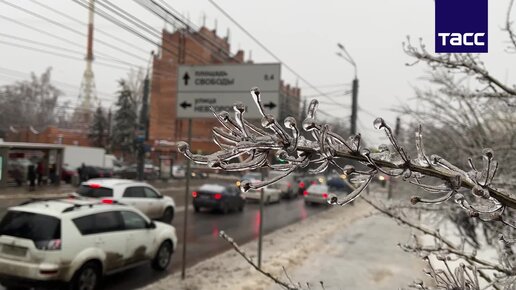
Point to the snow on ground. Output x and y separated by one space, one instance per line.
345 247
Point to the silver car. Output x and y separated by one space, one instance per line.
141 195
317 193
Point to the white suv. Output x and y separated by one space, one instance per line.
138 194
78 241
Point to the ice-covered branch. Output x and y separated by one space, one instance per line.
245 147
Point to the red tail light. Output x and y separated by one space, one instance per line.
194 194
289 185
305 193
325 195
48 245
107 201
217 196
94 185
301 185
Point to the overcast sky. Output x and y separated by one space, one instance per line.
303 34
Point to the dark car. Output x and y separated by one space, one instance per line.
89 172
218 197
67 174
131 172
339 184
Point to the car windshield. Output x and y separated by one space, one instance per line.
318 188
32 226
90 190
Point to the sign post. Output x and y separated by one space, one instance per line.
187 204
201 87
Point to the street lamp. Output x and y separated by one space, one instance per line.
343 53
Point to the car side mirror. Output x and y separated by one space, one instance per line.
151 225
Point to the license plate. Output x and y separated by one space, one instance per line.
14 250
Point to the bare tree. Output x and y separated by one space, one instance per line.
31 102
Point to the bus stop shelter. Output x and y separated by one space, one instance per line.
19 155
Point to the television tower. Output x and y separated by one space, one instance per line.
88 92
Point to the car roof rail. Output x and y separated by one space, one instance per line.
90 205
42 199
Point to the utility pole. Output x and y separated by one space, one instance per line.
354 92
142 132
354 106
396 134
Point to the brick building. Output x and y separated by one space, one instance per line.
193 48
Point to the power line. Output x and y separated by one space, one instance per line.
71 29
189 26
269 51
215 53
80 53
133 31
71 43
131 45
57 54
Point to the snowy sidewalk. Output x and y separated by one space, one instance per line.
338 246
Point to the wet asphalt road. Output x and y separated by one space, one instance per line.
203 241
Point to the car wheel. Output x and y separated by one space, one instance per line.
196 208
162 258
87 277
168 215
241 208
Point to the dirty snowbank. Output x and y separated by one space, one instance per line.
322 247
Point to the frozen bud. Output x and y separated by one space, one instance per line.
458 197
282 154
182 147
418 282
415 199
255 91
267 121
332 199
365 152
239 107
348 169
473 213
312 108
245 185
479 191
379 123
435 159
309 124
224 115
214 164
290 122
488 152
